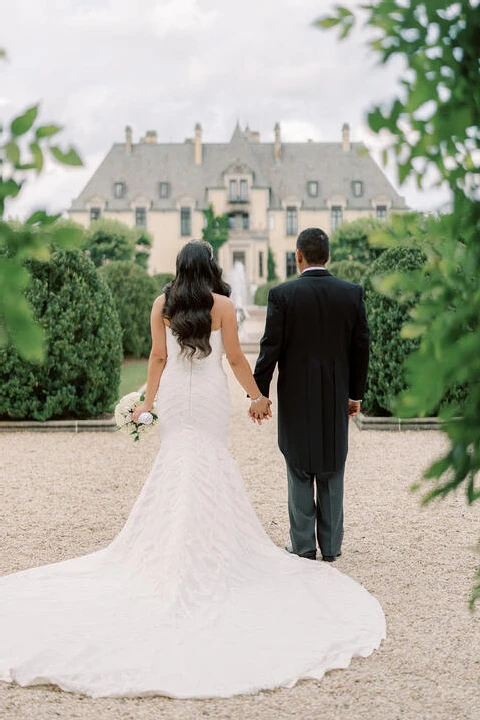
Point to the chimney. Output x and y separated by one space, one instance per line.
346 137
150 137
278 145
197 149
128 140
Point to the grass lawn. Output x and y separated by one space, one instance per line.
132 375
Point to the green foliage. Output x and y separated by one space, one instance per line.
143 244
271 267
112 241
80 374
351 241
133 292
24 144
261 293
162 279
350 270
432 131
216 229
386 316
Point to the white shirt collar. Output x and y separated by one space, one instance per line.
313 267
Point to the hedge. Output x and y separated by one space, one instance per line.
350 270
350 241
386 317
81 372
134 291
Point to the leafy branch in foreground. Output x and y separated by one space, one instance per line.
432 130
24 144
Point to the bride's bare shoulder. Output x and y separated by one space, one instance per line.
221 301
159 302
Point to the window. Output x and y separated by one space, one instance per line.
245 221
290 264
291 221
337 216
357 188
185 221
119 189
243 189
271 221
312 188
260 264
232 222
163 189
232 190
381 212
95 213
141 216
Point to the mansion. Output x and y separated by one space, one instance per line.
270 191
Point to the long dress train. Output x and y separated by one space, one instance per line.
191 599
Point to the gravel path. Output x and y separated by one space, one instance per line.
63 495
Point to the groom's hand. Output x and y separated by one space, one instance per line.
260 410
353 407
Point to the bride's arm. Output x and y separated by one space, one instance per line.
238 362
157 359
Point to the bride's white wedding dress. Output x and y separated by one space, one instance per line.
191 599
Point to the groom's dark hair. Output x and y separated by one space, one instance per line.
314 246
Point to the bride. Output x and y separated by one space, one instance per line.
191 599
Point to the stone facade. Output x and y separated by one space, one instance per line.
269 190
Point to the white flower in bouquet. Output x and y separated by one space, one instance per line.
124 415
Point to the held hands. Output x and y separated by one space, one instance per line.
260 409
353 408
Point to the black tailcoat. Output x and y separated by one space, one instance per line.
317 332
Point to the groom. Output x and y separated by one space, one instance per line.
317 332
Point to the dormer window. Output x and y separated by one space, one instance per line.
243 189
163 189
357 188
312 188
232 190
119 189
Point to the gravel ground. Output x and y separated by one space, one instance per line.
64 495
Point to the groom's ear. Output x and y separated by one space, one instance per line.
298 256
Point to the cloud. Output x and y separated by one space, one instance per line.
99 65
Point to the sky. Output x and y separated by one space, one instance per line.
99 65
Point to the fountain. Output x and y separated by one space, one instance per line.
238 283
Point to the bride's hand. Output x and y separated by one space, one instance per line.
260 410
143 407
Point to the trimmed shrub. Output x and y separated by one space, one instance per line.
386 317
350 270
350 241
134 291
162 279
261 293
81 372
108 240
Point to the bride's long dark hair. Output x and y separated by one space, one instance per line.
188 298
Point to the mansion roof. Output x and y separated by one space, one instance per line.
282 168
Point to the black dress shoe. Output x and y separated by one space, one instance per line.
309 555
330 558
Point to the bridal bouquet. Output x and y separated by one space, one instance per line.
124 416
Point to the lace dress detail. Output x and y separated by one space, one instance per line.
191 599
